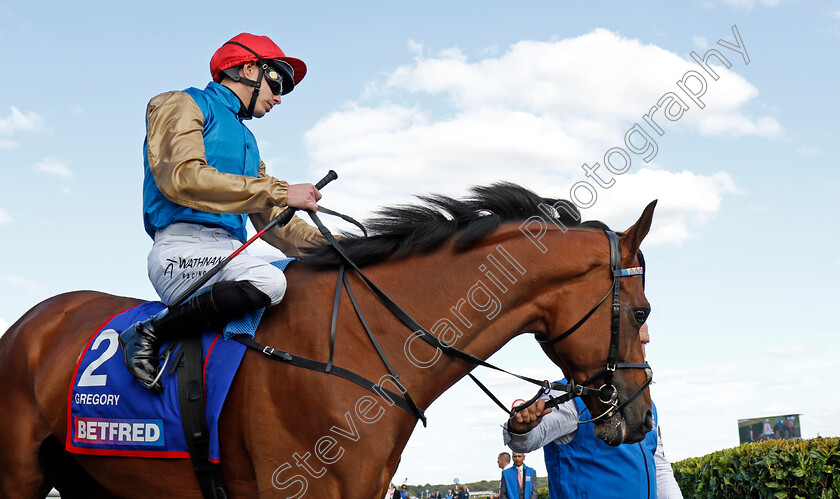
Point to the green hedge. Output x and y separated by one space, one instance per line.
780 469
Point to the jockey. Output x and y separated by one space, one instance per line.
203 175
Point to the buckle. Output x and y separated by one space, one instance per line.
546 387
608 394
268 351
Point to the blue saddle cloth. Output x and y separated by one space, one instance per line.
110 413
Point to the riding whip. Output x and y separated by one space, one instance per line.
281 220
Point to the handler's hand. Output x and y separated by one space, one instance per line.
303 196
528 418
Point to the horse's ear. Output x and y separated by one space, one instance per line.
634 235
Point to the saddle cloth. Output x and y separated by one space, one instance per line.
110 413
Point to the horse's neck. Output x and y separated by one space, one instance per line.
475 300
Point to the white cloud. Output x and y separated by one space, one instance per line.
7 144
54 166
737 125
532 115
5 217
599 76
686 201
22 282
17 120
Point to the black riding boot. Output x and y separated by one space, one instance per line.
222 302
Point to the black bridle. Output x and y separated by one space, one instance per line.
607 393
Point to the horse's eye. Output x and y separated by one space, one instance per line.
641 315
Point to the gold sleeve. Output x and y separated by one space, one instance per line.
291 237
177 160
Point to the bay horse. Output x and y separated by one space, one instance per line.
476 272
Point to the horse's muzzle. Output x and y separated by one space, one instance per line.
611 430
624 427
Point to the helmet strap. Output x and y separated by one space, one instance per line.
249 113
233 73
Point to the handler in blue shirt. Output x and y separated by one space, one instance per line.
580 465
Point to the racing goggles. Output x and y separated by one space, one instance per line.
279 75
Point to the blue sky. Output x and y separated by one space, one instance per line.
407 98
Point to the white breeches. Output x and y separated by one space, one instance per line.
182 253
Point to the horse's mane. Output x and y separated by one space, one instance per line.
402 229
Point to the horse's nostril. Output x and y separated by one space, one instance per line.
648 421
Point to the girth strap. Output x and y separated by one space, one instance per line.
194 419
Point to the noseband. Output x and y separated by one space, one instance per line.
608 393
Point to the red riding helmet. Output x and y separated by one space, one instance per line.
246 47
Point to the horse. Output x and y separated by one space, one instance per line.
476 272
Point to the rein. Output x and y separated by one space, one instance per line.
607 393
